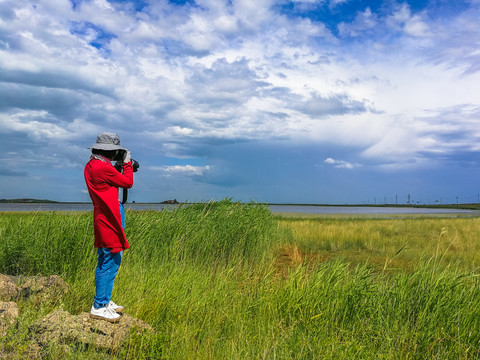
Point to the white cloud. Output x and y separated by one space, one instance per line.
253 13
411 24
364 21
226 24
183 170
39 126
340 164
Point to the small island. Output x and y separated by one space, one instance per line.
170 202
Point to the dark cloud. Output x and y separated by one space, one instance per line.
54 79
6 11
318 106
57 102
12 172
225 83
222 175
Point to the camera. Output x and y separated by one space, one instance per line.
119 156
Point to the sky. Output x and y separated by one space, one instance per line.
287 101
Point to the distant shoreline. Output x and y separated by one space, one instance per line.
29 201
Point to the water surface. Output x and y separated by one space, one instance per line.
311 209
299 209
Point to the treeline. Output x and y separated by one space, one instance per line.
26 201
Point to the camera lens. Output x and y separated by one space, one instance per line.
135 165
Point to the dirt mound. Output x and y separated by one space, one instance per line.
8 289
61 327
8 315
14 287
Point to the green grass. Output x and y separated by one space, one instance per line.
231 281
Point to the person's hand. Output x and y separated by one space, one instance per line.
128 157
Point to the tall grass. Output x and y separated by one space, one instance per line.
209 280
213 233
217 232
45 243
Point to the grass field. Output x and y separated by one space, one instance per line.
232 281
391 244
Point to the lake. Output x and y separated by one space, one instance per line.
280 209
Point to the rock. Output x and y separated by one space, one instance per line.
8 315
60 327
8 289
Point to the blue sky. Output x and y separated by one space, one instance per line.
297 101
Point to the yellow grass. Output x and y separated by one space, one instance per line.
389 243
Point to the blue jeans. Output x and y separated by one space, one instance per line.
107 268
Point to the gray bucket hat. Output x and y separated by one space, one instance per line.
107 141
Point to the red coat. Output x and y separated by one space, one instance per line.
103 181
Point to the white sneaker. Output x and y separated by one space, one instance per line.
105 313
115 307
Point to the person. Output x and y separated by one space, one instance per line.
103 181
